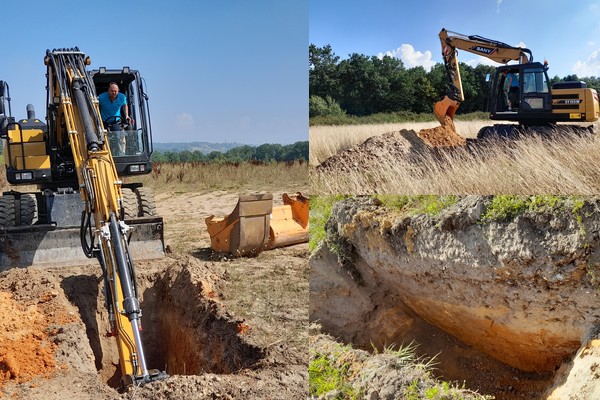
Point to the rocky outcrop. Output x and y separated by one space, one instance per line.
523 291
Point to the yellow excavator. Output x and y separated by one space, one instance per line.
80 195
532 102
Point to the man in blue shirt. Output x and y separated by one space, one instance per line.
512 90
111 103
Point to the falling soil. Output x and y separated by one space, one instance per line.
442 136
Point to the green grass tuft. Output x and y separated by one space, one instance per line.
320 210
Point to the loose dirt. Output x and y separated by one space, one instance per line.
220 327
392 145
442 136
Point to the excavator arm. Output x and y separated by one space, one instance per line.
492 49
104 234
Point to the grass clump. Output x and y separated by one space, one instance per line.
320 210
328 374
339 371
422 204
504 208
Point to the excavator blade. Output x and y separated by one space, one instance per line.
49 245
255 225
445 108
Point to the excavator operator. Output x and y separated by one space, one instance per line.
111 103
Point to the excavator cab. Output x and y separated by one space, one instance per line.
130 144
530 100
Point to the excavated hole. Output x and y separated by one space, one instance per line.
368 316
184 332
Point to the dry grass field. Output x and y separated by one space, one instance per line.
531 165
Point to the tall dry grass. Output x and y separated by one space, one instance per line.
205 177
532 165
198 177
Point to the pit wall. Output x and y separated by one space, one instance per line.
522 291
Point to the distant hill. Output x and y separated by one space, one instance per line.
203 147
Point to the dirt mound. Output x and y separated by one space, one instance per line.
26 345
442 136
404 143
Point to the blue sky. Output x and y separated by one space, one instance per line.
216 71
566 33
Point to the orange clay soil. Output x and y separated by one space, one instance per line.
442 136
26 327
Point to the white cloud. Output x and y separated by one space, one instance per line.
410 57
591 43
184 121
589 67
498 2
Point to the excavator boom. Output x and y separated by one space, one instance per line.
492 49
104 235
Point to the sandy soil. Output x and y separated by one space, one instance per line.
442 136
221 327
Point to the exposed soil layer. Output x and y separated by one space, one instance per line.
506 304
186 332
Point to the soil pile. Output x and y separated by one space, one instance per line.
392 145
506 303
400 145
442 136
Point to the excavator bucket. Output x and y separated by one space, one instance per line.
255 225
289 223
246 229
445 108
444 135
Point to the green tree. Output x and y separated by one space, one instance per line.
215 156
424 94
269 152
322 71
319 106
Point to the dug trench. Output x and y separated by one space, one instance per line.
509 307
53 328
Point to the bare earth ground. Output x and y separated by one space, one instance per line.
222 328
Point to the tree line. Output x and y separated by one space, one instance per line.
264 153
364 85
